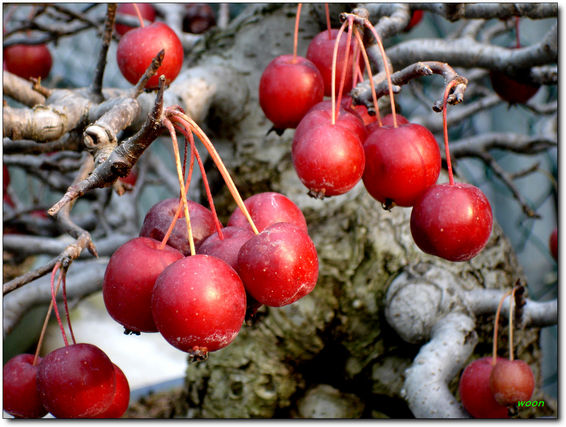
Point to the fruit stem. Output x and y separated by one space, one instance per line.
46 321
328 21
517 32
370 75
345 64
54 301
447 90
188 134
387 73
496 326
217 161
333 79
137 9
171 130
64 274
296 35
179 205
511 312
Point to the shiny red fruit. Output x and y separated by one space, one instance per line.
199 304
453 222
321 115
138 47
159 218
475 393
146 10
121 398
511 381
386 121
266 209
320 53
400 164
279 265
129 280
553 243
19 384
288 88
76 381
226 249
198 18
513 90
28 60
416 17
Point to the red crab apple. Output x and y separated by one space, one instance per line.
198 18
129 280
416 17
159 217
553 243
517 89
511 381
288 88
329 158
321 115
452 221
199 304
266 209
147 12
121 398
320 53
475 392
400 164
137 48
386 121
19 383
76 381
279 265
28 60
226 249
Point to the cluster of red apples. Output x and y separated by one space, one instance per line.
198 302
75 381
490 387
337 144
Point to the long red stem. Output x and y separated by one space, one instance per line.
188 134
511 312
296 35
328 21
517 32
64 274
496 326
346 59
387 73
218 162
137 9
180 204
46 321
54 301
370 76
449 87
333 86
173 135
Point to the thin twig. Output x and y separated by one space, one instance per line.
96 88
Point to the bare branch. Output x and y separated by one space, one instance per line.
122 159
96 88
534 313
21 90
471 54
457 11
149 73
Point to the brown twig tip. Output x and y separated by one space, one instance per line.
150 72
